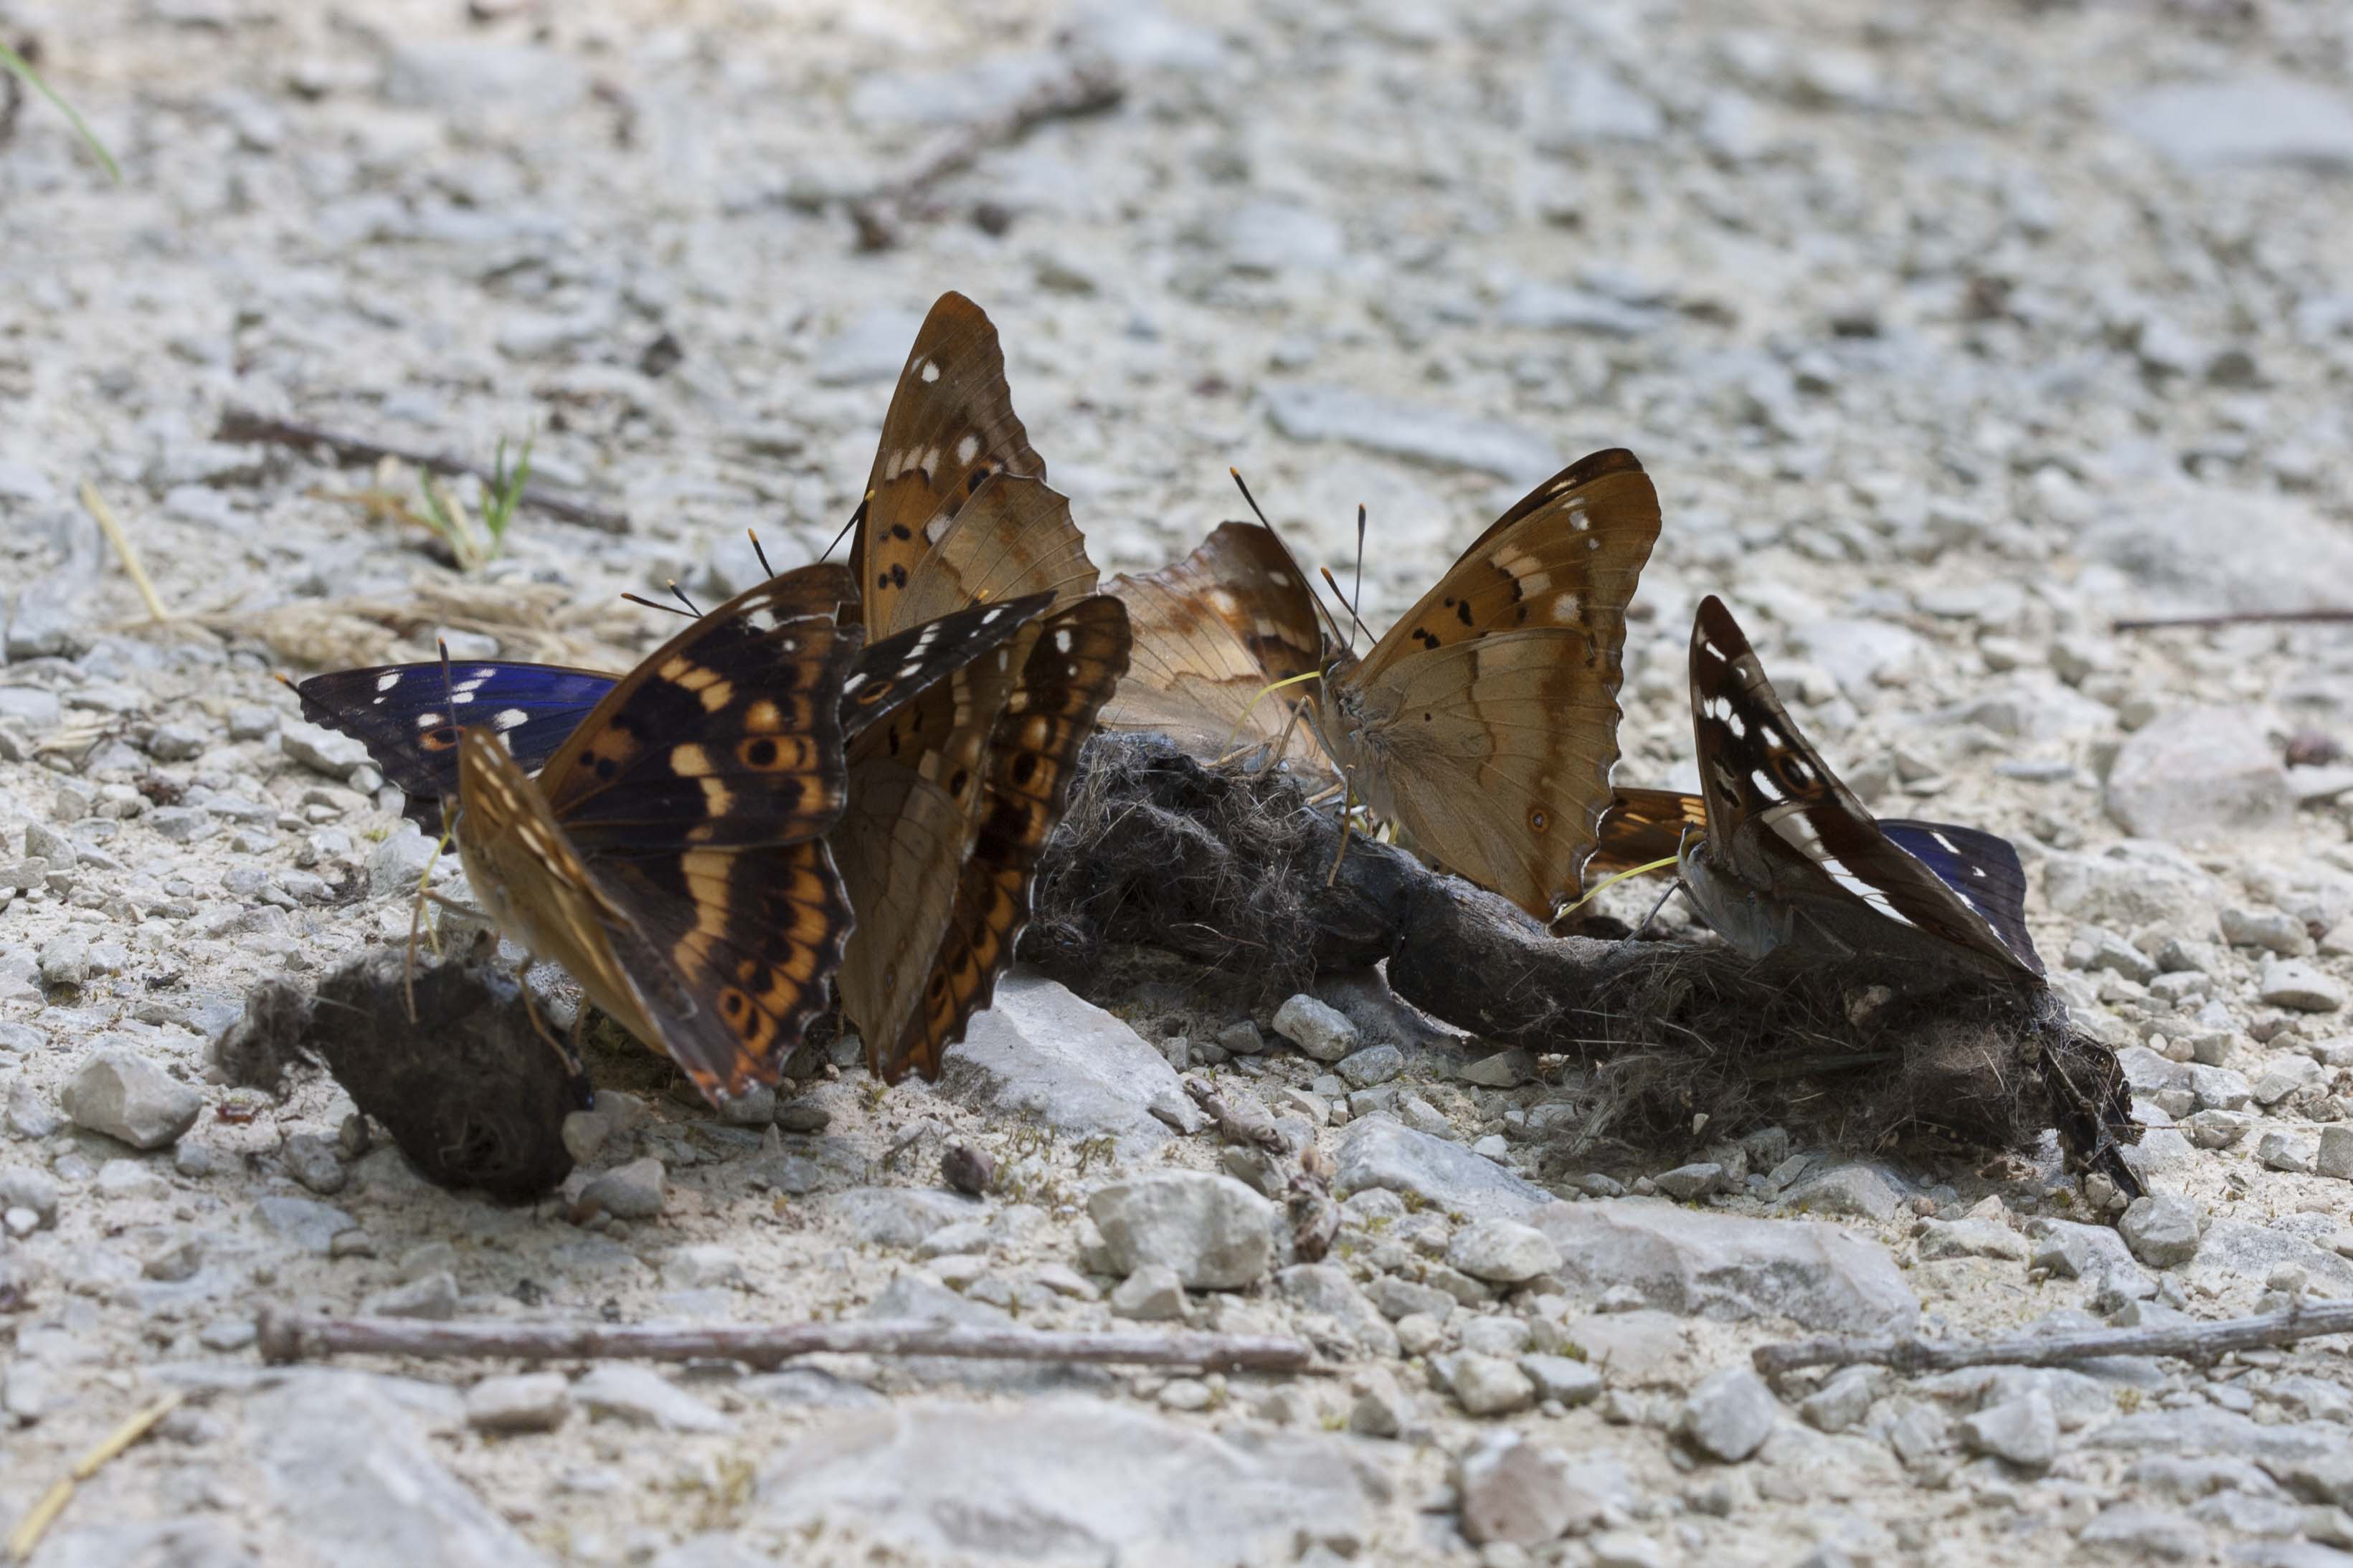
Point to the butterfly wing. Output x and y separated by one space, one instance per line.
1485 722
1068 673
1782 825
1210 634
407 716
1013 538
1981 867
901 668
915 803
950 427
694 796
1645 826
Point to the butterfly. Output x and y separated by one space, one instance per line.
954 796
408 715
671 853
1485 723
1788 849
1645 826
1212 633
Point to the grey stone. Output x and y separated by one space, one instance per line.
1373 1065
1729 1415
322 750
312 1160
2144 1534
182 823
635 1191
1553 308
1063 1479
704 1265
1326 1289
1487 1384
30 1114
1318 1029
526 1402
197 1540
643 1397
1504 1069
2276 929
1382 1409
432 1297
1269 236
2096 947
119 1092
1689 1183
2235 1255
1844 1399
1399 1297
1969 1238
355 1483
1528 1493
480 77
2304 987
2161 1229
1415 432
1564 1378
2243 121
2023 1432
1043 1054
872 347
903 1218
1216 1234
313 1226
1502 1251
2279 1151
2198 774
1852 1188
1153 1294
2130 885
396 864
35 1192
65 959
1382 1154
2336 1154
1727 1268
1242 1039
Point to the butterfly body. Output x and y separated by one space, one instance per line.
1484 722
670 855
1790 855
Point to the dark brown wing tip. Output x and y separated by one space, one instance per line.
1714 623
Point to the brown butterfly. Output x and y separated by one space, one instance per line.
1645 826
1212 633
671 853
952 796
1484 724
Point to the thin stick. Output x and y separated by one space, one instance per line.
243 427
2236 618
28 1535
2187 1341
296 1336
97 507
1086 90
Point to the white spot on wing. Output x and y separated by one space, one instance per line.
929 373
506 718
385 683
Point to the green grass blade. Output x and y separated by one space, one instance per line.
15 62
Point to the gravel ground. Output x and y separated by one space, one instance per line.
1949 334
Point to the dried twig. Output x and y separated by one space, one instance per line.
2189 1342
296 1336
35 1524
96 506
243 427
2235 619
1088 89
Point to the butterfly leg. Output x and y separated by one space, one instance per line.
1346 815
567 1051
415 919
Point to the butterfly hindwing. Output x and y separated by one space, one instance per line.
1013 538
1981 867
1645 826
899 669
1068 673
407 715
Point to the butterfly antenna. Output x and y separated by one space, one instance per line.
855 518
1334 583
653 603
680 594
752 534
1260 512
1356 590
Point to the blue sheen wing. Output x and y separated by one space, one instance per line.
407 715
1981 867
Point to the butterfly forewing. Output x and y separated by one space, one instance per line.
730 733
899 667
1645 826
950 427
1069 672
408 715
1012 538
1981 867
1209 635
1486 719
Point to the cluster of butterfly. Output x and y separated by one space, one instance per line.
845 777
